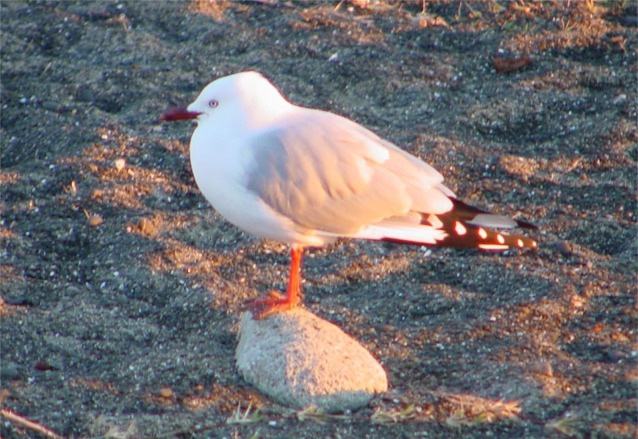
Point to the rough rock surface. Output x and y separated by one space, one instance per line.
299 359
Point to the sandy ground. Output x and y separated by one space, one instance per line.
121 289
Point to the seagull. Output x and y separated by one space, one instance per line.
307 177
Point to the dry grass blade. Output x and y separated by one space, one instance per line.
565 425
381 416
245 417
477 412
28 424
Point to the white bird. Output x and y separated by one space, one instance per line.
306 177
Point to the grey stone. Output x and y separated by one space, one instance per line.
298 360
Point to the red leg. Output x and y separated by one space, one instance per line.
274 302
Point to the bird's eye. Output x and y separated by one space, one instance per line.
213 103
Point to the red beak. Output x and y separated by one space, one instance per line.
178 113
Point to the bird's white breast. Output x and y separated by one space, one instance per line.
221 164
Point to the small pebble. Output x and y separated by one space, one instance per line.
120 164
147 227
44 366
94 220
564 248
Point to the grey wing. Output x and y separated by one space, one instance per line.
325 172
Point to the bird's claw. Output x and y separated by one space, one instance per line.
272 303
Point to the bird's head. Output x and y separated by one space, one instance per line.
246 97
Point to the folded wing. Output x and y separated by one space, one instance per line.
330 175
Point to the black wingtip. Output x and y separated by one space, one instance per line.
462 232
526 225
